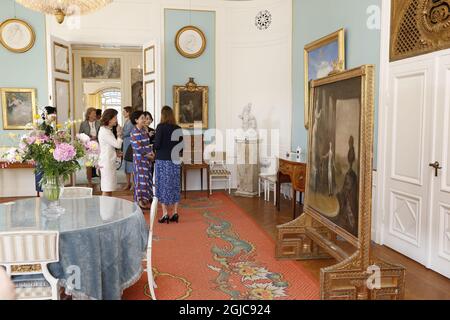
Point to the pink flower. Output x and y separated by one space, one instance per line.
92 147
64 152
31 139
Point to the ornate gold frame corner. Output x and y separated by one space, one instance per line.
180 50
338 35
3 92
192 87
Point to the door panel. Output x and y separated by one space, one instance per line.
407 187
151 90
440 209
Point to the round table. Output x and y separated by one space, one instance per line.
102 239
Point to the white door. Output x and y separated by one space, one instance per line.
152 97
440 209
61 79
408 149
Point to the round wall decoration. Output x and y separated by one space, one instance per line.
17 35
190 42
263 20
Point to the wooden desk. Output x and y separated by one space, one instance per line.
185 167
6 165
294 172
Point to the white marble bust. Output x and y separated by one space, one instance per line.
249 124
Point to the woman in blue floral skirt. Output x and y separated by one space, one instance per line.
168 146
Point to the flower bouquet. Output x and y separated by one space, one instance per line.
56 155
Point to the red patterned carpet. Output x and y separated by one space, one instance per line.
217 252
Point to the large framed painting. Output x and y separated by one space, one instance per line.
321 57
18 107
191 105
100 68
137 84
338 189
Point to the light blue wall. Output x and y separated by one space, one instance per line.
24 70
178 69
313 19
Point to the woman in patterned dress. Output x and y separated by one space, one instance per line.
168 146
142 165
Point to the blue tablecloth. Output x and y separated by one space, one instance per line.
102 242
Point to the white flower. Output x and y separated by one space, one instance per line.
84 138
266 291
250 272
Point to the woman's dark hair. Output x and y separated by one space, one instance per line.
48 110
136 115
167 115
148 114
98 112
107 116
129 110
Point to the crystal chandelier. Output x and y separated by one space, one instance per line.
62 8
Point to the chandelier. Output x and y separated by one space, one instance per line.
62 8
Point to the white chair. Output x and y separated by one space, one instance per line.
218 170
76 193
26 255
151 279
268 179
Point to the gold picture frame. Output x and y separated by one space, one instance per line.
148 70
335 61
23 102
151 108
58 101
347 95
192 49
191 105
5 39
66 58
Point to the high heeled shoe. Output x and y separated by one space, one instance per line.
164 219
175 218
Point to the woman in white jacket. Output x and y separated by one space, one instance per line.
108 145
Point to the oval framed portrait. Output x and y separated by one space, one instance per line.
17 35
190 42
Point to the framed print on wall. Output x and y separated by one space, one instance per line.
62 99
17 35
19 106
100 68
191 105
150 96
149 60
61 58
190 42
322 57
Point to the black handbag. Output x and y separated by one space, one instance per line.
129 154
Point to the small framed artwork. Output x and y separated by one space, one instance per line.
18 107
17 35
100 68
190 42
150 96
191 105
321 58
149 60
61 58
137 95
62 99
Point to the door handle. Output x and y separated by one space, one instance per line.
437 166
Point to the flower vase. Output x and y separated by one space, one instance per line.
52 191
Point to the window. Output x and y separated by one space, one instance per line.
112 99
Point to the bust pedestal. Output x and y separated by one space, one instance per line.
247 150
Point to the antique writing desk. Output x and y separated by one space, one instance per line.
193 159
290 170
